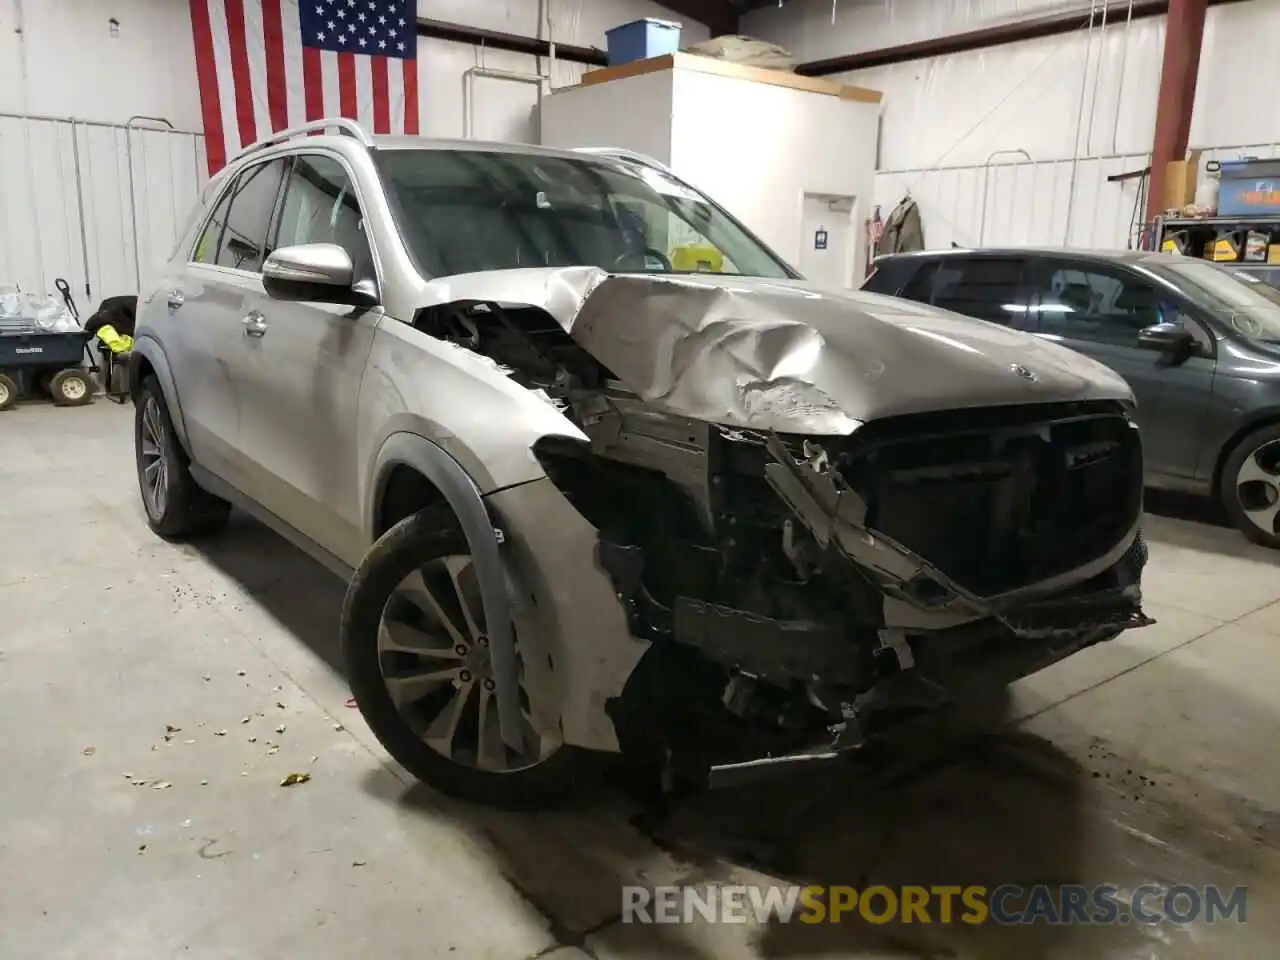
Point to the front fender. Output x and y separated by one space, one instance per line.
147 348
484 538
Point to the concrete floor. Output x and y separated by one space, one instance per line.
152 698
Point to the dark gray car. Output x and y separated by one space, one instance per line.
1198 343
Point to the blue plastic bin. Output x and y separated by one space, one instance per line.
1249 188
642 39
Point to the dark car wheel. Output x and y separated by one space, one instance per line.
175 505
1250 486
416 655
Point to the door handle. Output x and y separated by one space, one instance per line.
177 298
255 324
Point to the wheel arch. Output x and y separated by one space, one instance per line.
404 454
146 359
1256 421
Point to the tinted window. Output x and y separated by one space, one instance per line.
244 241
320 206
206 250
989 288
1090 303
920 287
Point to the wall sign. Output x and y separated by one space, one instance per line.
820 239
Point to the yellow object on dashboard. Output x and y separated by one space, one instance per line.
697 259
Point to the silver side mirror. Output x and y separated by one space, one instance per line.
317 272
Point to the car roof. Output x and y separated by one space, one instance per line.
1107 256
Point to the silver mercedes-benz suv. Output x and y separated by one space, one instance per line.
605 475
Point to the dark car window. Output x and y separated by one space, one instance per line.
320 206
244 241
206 250
989 288
1084 302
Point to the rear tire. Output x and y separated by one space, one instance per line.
441 724
1249 487
71 388
175 505
8 392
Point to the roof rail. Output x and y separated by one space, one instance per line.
344 126
621 154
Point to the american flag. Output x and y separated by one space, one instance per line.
264 65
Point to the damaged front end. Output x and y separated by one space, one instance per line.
815 557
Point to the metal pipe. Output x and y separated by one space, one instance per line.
983 38
1097 78
1124 59
1075 152
49 118
986 176
84 229
133 201
468 98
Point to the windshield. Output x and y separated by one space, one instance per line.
464 211
1251 306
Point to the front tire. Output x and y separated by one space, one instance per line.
417 660
1250 486
176 507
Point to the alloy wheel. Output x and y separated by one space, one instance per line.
154 475
5 396
1258 486
434 658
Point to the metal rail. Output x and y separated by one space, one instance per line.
341 124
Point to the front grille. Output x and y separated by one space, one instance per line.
997 501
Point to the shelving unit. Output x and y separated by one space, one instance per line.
1201 232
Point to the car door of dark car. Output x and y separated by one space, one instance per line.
1099 309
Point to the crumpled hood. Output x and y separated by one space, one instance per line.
786 356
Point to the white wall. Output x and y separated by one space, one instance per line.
1086 95
757 149
65 64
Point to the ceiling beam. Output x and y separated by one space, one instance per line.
718 16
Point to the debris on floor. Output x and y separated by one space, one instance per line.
294 779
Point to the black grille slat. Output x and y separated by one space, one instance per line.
1008 502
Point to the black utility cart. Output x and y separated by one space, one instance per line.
32 360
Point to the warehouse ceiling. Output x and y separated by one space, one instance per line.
720 16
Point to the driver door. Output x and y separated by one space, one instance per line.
302 367
1099 310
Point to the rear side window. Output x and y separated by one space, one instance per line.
253 201
888 275
989 288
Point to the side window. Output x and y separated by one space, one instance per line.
244 241
989 288
206 250
1087 303
921 285
320 206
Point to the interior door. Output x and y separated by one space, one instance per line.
1098 310
302 367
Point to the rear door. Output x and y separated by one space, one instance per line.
300 370
207 307
1098 309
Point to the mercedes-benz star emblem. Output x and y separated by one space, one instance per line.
1021 371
